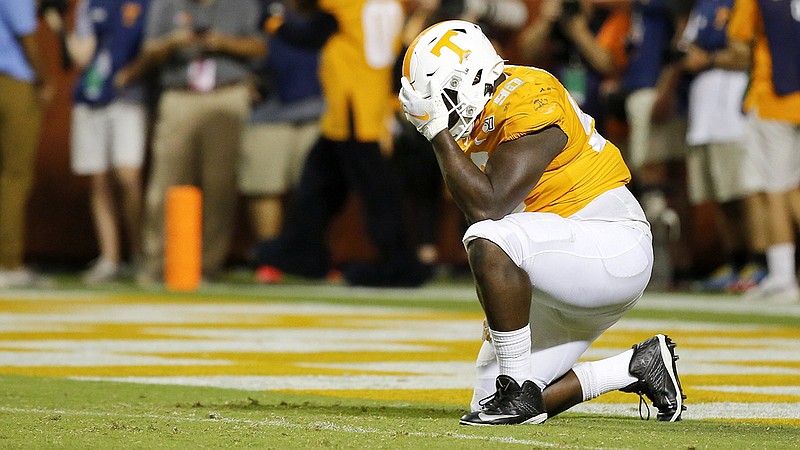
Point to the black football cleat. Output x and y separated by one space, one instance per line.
510 405
653 364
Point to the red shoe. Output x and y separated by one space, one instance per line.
268 275
334 277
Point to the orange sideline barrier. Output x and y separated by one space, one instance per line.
183 246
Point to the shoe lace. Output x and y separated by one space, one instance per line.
487 399
492 401
642 401
495 401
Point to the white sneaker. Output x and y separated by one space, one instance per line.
102 271
775 292
23 277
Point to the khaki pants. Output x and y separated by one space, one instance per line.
19 137
197 139
273 156
651 143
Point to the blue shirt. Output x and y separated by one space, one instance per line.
783 34
711 32
118 27
295 90
651 32
295 71
17 18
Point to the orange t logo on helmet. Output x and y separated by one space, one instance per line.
445 41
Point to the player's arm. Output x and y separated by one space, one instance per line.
534 38
154 53
22 25
80 43
162 39
738 55
243 47
510 173
45 87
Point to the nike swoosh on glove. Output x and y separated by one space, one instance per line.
427 114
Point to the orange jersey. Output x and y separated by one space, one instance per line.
747 25
356 67
532 99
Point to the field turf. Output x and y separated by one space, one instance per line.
313 366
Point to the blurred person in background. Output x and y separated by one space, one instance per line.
284 125
26 89
583 44
652 83
109 125
715 162
357 57
762 36
203 50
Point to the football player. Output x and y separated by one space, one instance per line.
559 248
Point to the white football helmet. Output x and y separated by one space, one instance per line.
466 64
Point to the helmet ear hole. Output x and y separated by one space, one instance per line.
477 78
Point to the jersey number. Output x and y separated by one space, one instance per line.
382 22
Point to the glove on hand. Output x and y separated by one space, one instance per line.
428 114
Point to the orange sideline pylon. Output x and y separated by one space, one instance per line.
183 233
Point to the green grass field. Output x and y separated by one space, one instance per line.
314 366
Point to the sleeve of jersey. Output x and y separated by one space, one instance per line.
20 17
744 16
528 113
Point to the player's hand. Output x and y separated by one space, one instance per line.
427 114
45 92
696 59
181 38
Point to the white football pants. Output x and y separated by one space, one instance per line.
586 271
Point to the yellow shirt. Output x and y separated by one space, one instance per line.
532 99
747 25
356 67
